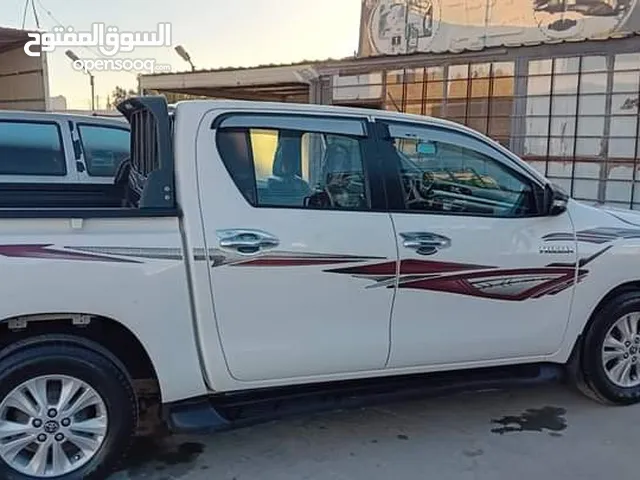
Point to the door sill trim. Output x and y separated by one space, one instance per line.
231 410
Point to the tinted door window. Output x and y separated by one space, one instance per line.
30 148
104 148
440 176
282 167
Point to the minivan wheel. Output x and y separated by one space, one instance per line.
67 411
611 351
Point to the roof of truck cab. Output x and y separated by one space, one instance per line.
201 107
61 116
204 105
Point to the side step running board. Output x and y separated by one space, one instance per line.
240 409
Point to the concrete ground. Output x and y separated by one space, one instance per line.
535 433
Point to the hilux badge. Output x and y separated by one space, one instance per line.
556 249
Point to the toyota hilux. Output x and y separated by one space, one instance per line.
260 259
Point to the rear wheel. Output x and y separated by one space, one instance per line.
610 359
67 411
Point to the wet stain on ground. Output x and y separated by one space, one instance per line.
533 420
403 437
162 456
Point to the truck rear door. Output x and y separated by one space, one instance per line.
293 213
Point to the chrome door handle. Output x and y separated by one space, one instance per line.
246 241
425 243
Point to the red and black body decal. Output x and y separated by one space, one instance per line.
598 236
298 260
483 281
470 280
50 252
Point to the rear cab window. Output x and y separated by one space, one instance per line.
291 162
31 148
104 147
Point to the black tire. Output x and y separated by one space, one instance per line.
86 361
592 371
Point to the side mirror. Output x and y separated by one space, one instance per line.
555 200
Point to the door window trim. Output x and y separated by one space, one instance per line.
394 182
332 125
497 153
312 123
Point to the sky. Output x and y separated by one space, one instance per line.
216 33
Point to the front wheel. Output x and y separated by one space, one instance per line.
67 411
611 351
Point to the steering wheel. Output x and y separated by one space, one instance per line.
417 190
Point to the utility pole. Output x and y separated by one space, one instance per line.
93 91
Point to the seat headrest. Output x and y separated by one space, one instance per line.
287 158
337 160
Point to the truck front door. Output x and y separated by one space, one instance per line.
484 275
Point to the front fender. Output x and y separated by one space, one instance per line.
611 243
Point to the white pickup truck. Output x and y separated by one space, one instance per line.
266 259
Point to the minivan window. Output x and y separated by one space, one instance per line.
31 148
104 148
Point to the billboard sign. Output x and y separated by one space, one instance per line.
406 26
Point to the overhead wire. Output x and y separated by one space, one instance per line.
35 14
60 24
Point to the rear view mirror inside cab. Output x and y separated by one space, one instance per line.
427 149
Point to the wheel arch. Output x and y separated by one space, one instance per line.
575 352
109 333
579 375
630 286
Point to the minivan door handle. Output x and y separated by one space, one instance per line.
425 243
246 241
